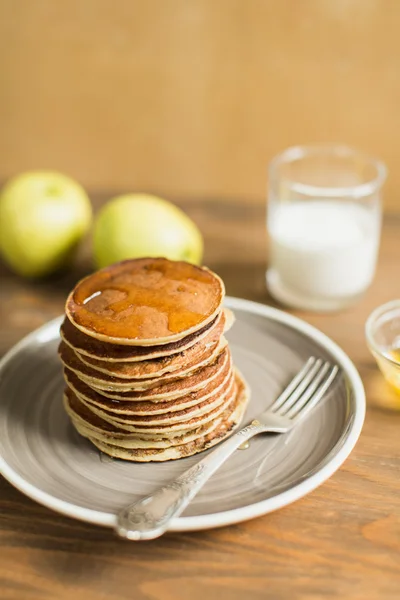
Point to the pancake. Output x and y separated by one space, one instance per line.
176 420
146 407
230 420
179 415
145 302
148 372
172 389
87 413
156 367
102 381
92 348
81 415
129 440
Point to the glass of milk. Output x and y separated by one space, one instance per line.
324 221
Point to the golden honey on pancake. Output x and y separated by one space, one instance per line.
145 302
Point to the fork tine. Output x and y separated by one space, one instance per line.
311 398
293 384
295 394
308 391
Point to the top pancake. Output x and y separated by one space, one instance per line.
145 302
95 349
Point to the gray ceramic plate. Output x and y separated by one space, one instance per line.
43 456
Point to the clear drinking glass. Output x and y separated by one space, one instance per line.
324 220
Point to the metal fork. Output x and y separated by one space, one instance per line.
150 517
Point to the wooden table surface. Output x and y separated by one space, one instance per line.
341 541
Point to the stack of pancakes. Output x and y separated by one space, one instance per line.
149 375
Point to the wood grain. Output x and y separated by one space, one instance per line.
193 97
341 541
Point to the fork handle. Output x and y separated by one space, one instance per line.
150 517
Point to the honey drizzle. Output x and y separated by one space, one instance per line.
394 354
244 445
180 296
391 369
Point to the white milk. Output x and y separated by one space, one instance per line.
322 253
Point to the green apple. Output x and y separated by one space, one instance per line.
43 216
138 225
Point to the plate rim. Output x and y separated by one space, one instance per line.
328 466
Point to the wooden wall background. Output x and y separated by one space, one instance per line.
191 98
